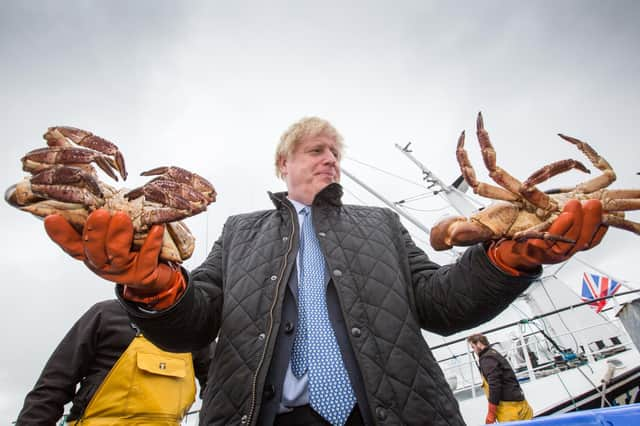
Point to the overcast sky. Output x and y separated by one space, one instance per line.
210 86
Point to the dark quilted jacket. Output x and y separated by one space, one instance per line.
388 289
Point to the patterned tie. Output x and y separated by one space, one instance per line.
315 348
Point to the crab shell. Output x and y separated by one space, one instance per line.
499 220
178 243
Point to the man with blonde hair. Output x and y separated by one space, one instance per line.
318 306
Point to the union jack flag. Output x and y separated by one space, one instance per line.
596 286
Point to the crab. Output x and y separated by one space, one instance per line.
524 211
63 180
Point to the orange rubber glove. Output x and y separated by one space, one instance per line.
491 414
578 222
106 248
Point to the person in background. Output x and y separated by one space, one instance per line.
122 377
318 306
506 399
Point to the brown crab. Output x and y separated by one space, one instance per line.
64 181
525 211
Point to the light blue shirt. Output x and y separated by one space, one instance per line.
295 391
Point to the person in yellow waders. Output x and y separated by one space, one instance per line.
500 385
124 379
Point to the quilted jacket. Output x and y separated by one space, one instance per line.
388 289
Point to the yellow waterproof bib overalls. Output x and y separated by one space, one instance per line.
146 386
510 410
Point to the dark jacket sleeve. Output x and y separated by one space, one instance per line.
490 369
65 368
201 361
194 320
461 295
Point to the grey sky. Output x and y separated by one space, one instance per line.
210 86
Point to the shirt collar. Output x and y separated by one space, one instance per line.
297 205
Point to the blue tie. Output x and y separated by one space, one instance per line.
315 348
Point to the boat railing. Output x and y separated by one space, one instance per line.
533 355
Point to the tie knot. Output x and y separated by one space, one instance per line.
305 211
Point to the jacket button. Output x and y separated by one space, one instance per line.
244 419
269 391
285 239
355 332
337 273
288 327
274 277
381 413
322 234
261 336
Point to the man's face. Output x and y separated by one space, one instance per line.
477 347
314 164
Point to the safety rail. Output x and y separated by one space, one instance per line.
467 385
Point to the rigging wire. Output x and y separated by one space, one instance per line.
417 197
555 307
424 210
385 172
354 195
206 238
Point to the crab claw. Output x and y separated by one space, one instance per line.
10 196
457 231
45 158
179 200
68 184
60 135
186 177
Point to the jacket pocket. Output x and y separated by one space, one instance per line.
158 385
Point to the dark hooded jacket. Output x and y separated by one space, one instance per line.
386 288
502 381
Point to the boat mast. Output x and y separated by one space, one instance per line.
450 193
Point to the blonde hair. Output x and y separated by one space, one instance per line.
305 128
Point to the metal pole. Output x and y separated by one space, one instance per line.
472 366
525 354
455 198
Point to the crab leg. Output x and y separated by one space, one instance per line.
504 179
547 172
617 199
541 199
469 174
497 173
621 204
539 232
185 241
607 177
622 223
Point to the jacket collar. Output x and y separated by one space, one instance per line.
485 350
330 196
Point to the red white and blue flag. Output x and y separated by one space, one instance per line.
597 286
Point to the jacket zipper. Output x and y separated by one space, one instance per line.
273 305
